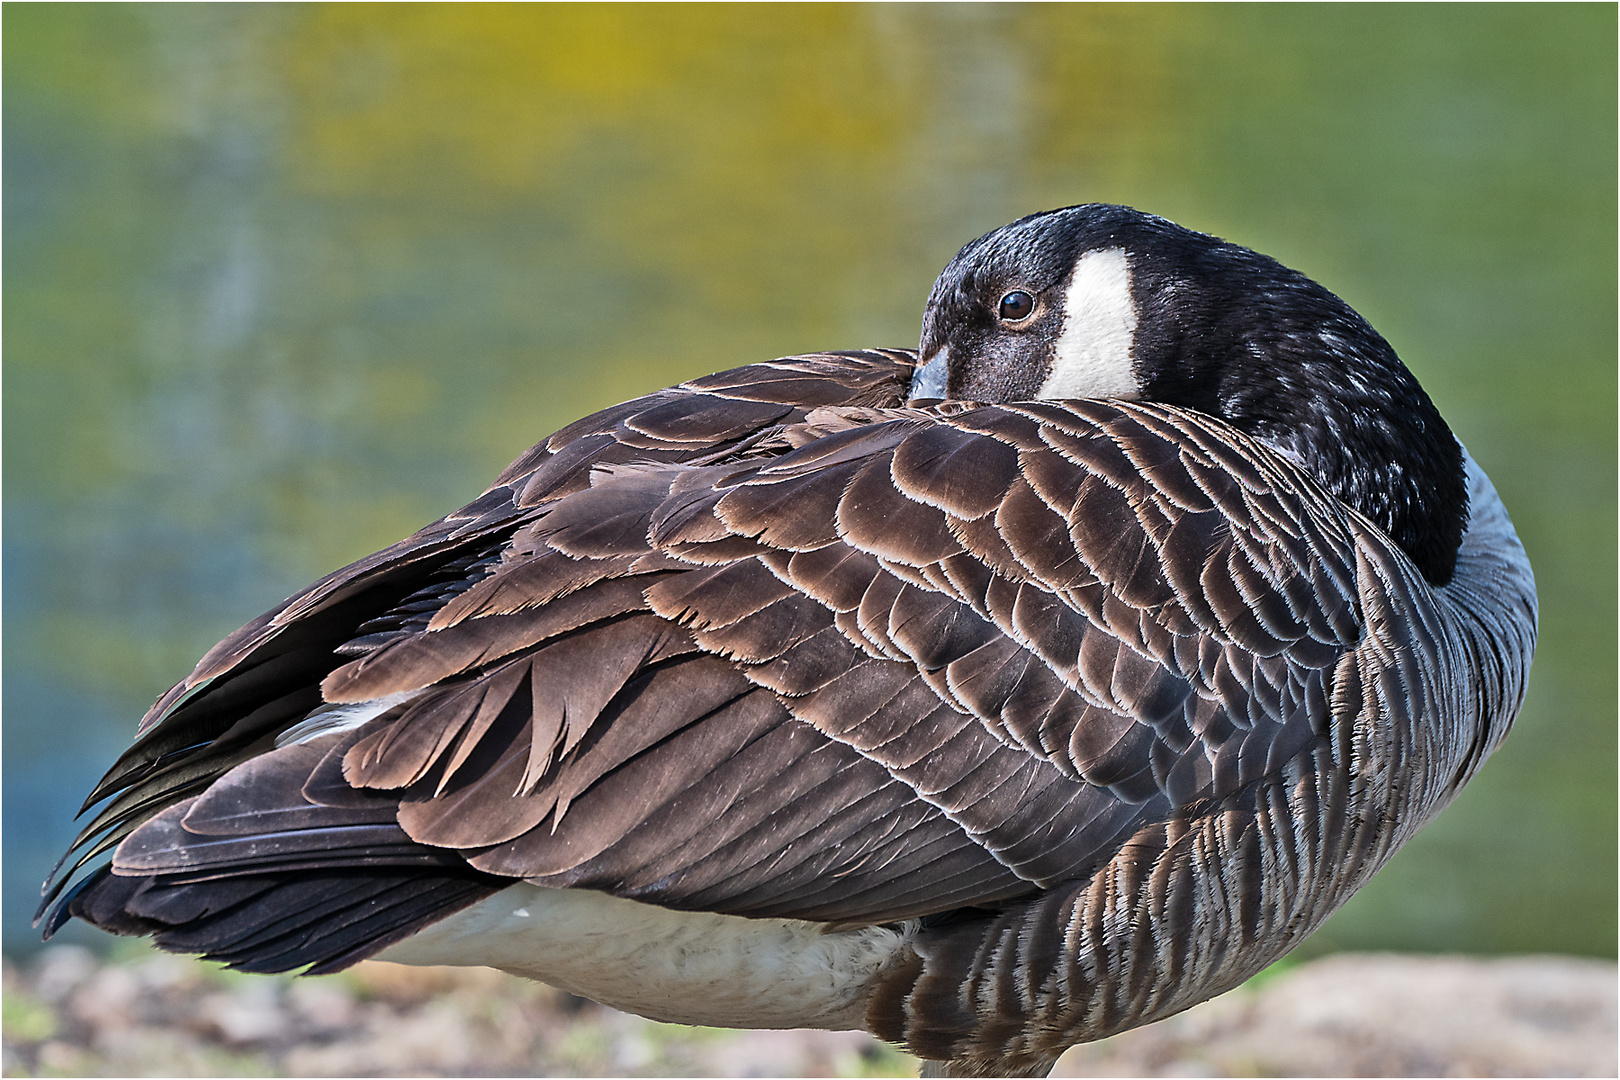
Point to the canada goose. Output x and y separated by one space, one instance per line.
990 724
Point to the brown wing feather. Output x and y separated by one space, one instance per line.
297 644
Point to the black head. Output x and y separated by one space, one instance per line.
1105 301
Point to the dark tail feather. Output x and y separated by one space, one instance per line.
277 922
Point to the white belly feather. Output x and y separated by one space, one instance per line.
684 967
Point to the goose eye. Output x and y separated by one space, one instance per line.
1016 306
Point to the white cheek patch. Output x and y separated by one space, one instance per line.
1092 355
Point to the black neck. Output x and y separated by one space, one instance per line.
1287 362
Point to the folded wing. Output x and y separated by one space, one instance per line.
769 643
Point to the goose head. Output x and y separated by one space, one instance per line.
1102 301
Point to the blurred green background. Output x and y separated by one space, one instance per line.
283 283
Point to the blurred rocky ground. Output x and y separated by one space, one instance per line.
69 1013
1385 1014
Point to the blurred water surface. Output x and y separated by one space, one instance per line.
284 283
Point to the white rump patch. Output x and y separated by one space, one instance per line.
329 718
1092 355
681 967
